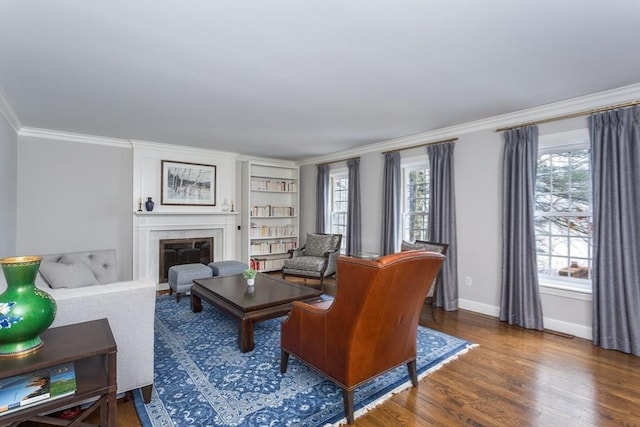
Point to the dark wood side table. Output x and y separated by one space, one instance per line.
92 349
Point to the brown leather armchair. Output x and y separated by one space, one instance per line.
371 325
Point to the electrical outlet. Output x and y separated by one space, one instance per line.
467 280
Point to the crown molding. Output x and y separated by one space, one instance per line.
73 137
267 161
7 112
180 149
572 105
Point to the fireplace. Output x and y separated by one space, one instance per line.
183 251
151 227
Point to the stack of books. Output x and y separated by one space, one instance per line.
36 387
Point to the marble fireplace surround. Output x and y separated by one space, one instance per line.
151 227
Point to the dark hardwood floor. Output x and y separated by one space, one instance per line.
515 377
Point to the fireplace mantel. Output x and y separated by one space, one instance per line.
150 227
182 213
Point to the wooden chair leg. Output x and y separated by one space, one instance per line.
413 372
284 361
347 397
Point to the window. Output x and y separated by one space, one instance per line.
415 201
563 223
339 205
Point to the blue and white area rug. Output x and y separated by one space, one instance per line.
202 378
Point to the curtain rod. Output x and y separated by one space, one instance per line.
337 161
442 141
570 115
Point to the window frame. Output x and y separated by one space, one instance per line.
407 166
557 143
334 175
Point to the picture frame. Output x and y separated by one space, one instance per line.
188 184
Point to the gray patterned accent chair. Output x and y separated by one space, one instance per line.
423 245
316 259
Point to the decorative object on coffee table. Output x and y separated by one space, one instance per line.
250 275
25 310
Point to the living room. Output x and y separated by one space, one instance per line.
74 188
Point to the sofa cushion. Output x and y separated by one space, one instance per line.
101 263
318 244
60 275
305 264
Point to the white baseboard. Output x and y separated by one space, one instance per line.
580 331
477 307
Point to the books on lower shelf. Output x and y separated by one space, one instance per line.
272 247
265 264
36 387
63 380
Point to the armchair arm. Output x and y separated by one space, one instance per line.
331 256
294 253
305 319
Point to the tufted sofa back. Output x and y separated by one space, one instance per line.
102 263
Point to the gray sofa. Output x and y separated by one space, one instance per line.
92 290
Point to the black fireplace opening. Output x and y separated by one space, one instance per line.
183 251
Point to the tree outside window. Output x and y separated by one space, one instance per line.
415 202
339 205
563 223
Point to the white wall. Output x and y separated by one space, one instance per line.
8 188
73 197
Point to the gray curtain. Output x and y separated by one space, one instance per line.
520 300
615 163
354 217
322 198
442 221
391 199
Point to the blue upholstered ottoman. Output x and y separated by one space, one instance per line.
227 268
181 277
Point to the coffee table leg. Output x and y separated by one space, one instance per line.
196 303
245 335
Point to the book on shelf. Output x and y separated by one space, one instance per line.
23 390
36 387
63 380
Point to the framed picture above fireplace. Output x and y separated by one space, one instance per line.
188 184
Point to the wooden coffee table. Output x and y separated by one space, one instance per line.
271 297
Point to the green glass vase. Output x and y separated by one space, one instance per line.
25 310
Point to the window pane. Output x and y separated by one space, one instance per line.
563 226
339 206
415 202
559 246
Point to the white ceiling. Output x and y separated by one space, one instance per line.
300 79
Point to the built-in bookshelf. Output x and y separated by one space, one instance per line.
270 214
